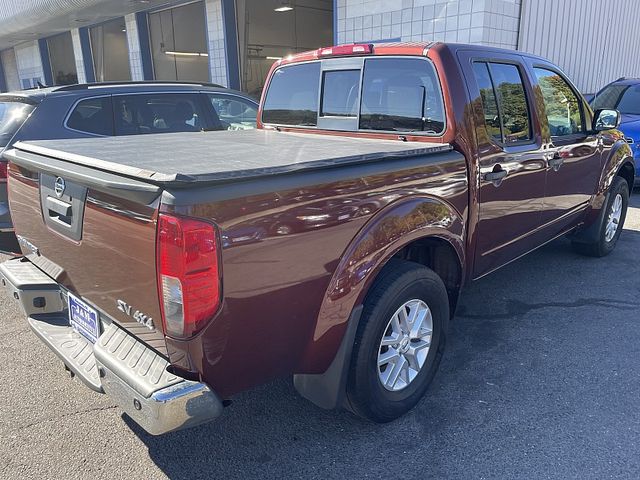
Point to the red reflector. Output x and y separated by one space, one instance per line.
188 274
3 170
354 49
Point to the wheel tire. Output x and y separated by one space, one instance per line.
603 246
399 282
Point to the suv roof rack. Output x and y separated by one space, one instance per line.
84 86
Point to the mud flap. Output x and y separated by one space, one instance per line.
327 390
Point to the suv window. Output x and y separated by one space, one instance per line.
158 113
401 94
93 115
292 98
235 113
513 109
340 90
625 98
561 104
12 116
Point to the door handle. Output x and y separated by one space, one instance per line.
495 176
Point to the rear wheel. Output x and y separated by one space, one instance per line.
399 342
615 214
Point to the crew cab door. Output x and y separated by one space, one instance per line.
511 166
573 154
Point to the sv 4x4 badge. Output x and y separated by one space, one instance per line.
137 315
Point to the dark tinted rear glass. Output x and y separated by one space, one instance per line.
292 98
401 94
93 115
12 116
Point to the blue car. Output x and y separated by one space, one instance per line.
624 95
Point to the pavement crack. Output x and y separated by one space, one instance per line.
518 308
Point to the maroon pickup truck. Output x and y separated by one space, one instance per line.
172 272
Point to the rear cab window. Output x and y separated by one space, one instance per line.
386 94
12 116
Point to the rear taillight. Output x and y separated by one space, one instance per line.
3 170
188 274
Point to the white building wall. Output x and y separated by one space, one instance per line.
216 47
10 67
135 55
29 64
491 22
594 41
77 53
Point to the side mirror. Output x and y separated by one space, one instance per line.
606 120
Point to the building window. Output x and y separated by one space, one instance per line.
179 43
271 29
63 62
110 51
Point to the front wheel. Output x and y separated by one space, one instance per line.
399 341
615 214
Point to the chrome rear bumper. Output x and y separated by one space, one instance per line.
132 374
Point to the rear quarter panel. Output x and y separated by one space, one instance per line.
288 292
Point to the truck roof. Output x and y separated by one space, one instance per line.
393 48
186 158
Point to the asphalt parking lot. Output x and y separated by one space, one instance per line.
541 379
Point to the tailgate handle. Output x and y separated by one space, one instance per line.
58 206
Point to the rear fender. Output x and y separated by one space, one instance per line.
326 358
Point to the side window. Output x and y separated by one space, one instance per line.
157 113
234 113
512 102
93 115
340 90
561 103
489 101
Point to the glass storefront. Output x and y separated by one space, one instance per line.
271 29
179 43
110 51
63 63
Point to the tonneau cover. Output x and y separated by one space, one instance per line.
184 158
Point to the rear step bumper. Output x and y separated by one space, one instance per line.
132 374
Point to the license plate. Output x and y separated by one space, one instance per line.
83 319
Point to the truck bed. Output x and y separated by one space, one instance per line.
184 158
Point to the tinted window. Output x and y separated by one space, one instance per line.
340 91
562 105
157 113
512 102
292 98
625 98
235 113
93 115
489 101
402 95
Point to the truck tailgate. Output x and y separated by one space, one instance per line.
93 232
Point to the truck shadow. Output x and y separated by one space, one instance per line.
531 353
